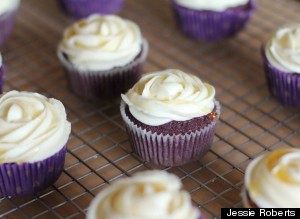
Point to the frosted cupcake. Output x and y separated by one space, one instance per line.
103 55
8 12
150 194
281 55
170 117
2 72
84 8
272 180
34 132
212 20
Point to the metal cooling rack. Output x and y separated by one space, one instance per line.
98 150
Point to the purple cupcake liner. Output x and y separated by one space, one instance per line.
285 87
28 178
2 74
104 84
212 26
170 150
7 23
83 8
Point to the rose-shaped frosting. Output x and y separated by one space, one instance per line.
273 180
283 49
101 42
32 127
150 194
211 5
8 5
169 95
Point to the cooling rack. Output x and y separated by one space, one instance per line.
99 152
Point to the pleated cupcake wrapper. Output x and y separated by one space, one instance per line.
104 84
209 25
84 8
244 197
170 150
7 23
2 74
285 87
29 178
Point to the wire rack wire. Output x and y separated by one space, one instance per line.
99 152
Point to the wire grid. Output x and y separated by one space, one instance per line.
251 123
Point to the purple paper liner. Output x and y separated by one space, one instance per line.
84 8
2 74
105 84
7 23
247 203
29 178
210 25
285 87
170 150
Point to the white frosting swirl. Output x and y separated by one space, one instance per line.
273 180
101 42
32 127
0 60
211 5
169 95
283 49
150 194
8 5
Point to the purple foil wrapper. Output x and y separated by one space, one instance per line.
285 87
104 84
2 74
83 8
210 25
7 22
28 178
170 150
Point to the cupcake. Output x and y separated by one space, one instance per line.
272 180
34 132
212 20
170 117
84 8
2 72
281 58
154 194
8 12
103 55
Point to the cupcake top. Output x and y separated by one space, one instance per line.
151 194
211 5
8 5
32 127
283 49
272 180
169 95
101 42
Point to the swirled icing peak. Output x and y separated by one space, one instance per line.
151 194
283 49
169 95
101 42
211 5
273 180
32 127
8 5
